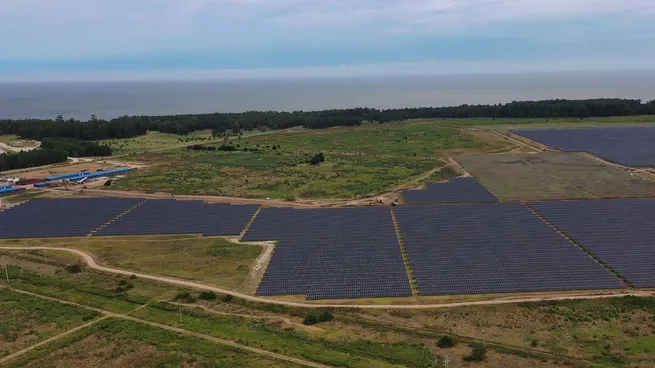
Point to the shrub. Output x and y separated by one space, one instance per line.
534 343
185 297
74 268
325 316
227 298
133 277
478 354
310 320
446 342
207 295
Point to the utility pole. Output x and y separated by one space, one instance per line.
7 273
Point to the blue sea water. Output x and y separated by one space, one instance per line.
111 99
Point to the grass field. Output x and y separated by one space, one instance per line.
29 271
359 162
211 261
26 320
617 332
120 344
548 176
154 141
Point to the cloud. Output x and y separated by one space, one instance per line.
100 29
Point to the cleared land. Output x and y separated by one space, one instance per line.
510 178
26 320
211 261
64 169
359 161
155 141
554 176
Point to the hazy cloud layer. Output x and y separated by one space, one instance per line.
39 34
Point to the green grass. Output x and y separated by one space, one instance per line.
26 320
121 343
360 162
258 334
530 123
87 288
644 345
154 141
211 261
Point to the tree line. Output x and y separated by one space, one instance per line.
132 126
76 148
39 157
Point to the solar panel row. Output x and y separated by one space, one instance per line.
458 190
620 233
331 253
169 216
50 218
493 248
628 146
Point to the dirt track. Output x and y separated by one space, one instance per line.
154 324
505 300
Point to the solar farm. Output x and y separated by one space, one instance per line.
627 146
512 222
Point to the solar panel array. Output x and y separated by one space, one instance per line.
619 232
50 218
338 253
493 248
631 146
458 190
169 216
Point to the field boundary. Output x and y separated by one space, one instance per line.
577 245
53 338
108 314
583 294
413 283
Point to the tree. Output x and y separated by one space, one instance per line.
207 295
446 342
310 320
325 316
317 159
478 354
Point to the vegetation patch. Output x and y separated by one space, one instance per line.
26 320
121 344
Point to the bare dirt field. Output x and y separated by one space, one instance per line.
554 176
510 178
65 169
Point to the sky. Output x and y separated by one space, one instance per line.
189 39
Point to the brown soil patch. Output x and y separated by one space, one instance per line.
65 169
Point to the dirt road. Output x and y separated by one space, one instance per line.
504 300
154 324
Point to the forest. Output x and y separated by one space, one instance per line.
39 157
76 148
127 127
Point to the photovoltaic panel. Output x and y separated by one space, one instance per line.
619 232
457 190
335 253
168 216
49 218
631 146
493 248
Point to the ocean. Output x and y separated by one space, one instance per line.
112 99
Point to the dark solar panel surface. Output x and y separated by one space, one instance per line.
50 218
339 253
631 146
493 248
458 190
619 232
168 216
